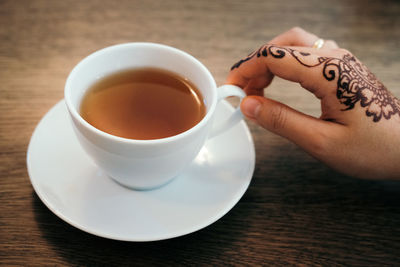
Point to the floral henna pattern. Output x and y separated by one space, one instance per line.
355 83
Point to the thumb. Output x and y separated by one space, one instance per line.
308 132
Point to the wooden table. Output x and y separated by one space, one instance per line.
296 210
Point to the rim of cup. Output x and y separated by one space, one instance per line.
136 45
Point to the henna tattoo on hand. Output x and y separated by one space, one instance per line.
355 83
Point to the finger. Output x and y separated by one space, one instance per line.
308 132
298 64
256 86
295 37
330 44
252 77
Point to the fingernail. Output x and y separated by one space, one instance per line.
250 106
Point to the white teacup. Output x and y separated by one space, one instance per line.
145 164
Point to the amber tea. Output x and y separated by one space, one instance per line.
143 104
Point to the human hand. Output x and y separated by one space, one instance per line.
358 132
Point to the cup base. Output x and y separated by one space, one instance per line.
142 188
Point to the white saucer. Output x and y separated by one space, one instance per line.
72 187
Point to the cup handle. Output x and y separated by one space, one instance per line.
223 92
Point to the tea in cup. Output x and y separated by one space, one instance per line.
143 111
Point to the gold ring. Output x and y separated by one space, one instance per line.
318 44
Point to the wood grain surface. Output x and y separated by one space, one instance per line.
296 211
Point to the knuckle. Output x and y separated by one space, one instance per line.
343 51
278 117
333 44
296 30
